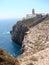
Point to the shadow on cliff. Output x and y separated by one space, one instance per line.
21 27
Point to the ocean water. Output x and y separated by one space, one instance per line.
5 37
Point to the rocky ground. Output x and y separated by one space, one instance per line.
39 58
36 45
37 37
19 29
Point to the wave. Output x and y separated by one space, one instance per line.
6 32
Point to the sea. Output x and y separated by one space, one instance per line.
5 37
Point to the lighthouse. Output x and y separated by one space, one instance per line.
33 11
32 15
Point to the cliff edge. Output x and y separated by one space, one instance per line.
36 45
7 59
19 29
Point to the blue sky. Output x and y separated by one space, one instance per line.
19 8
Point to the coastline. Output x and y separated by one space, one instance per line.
35 46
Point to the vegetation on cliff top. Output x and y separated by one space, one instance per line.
19 29
27 21
7 59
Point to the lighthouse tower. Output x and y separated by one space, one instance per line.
33 14
33 11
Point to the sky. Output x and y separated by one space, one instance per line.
19 8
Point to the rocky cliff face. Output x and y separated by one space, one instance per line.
37 37
39 58
19 29
36 45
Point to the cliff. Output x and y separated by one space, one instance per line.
19 29
7 59
37 37
35 45
39 58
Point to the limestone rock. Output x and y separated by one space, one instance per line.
36 45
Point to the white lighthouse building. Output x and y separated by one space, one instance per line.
31 15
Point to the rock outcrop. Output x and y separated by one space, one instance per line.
7 59
19 29
36 45
39 58
37 37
